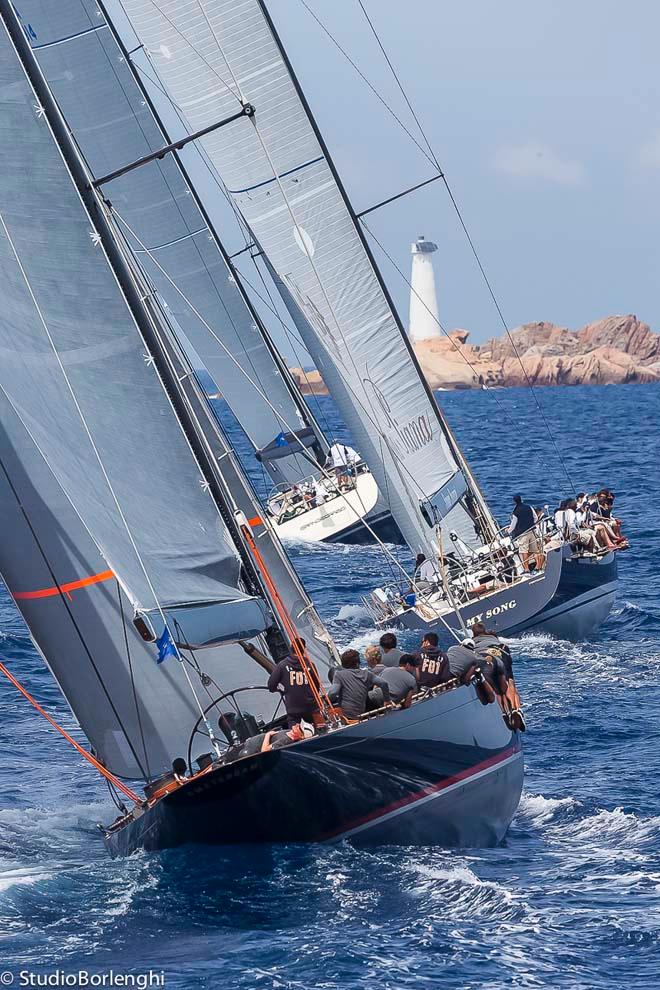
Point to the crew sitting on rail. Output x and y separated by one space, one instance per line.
499 673
432 663
402 680
389 651
586 519
582 528
343 459
462 659
485 640
351 685
289 675
601 509
375 698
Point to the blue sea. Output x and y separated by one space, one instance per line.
571 900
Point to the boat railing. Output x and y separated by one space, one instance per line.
287 500
470 578
422 695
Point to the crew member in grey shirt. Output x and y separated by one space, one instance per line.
461 658
401 680
375 698
351 685
374 659
391 654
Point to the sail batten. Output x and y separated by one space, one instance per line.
285 186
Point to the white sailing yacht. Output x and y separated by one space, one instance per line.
214 59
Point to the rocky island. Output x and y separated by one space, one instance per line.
617 349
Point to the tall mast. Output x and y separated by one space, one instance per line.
485 514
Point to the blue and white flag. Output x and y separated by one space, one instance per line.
281 440
166 647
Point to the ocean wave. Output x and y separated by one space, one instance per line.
352 612
537 810
22 876
461 893
614 828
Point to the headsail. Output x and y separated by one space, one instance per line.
102 471
75 370
137 715
214 59
112 125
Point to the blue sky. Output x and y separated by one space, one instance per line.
546 119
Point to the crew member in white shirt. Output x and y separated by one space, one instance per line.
343 458
426 573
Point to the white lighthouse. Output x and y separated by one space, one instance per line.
424 320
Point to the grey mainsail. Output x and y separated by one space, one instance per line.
215 56
138 715
96 449
112 125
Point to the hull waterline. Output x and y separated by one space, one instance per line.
445 772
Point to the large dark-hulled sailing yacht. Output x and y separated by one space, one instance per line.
135 549
281 178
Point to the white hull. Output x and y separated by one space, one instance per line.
335 516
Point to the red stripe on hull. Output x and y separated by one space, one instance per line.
373 816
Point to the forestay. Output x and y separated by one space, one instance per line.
214 56
114 126
74 368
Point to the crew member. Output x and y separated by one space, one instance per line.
390 652
432 663
289 675
401 680
523 532
343 459
351 685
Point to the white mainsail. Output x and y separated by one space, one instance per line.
214 56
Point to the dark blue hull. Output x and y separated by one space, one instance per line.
569 600
445 772
583 599
382 524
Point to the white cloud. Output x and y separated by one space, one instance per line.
649 153
537 161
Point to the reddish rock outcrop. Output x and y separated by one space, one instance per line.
617 349
309 382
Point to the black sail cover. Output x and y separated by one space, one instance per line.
113 126
84 414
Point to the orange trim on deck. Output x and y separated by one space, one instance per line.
58 589
255 521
